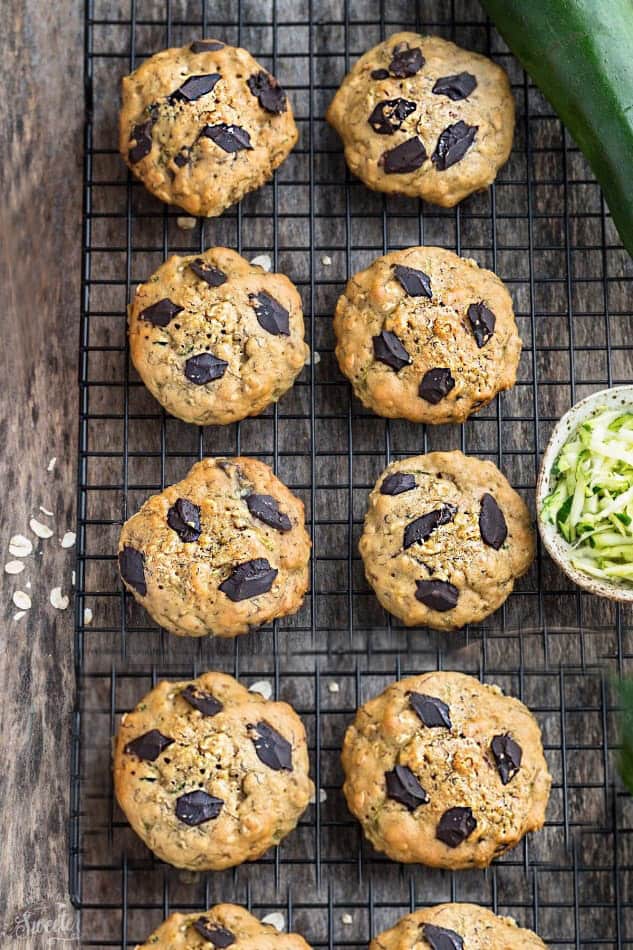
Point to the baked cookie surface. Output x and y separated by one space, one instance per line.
209 774
204 124
420 116
222 926
443 770
221 552
425 335
445 537
216 339
457 927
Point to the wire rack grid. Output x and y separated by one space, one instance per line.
543 227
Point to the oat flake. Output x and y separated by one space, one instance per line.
14 567
87 616
45 511
19 614
186 224
51 464
264 261
277 920
41 530
19 546
21 600
263 687
58 600
69 539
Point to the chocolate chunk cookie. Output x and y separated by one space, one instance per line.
456 927
445 537
425 335
220 927
443 770
202 125
221 552
209 774
216 339
420 116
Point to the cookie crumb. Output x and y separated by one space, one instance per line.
263 687
58 600
276 920
186 224
19 546
14 567
68 540
41 530
21 600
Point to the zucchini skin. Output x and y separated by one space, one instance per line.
580 55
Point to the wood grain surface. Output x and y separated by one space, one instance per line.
41 122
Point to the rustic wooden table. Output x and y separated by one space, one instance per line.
41 123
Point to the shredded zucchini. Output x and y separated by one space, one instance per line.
591 501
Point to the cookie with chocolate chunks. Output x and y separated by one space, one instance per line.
203 125
464 136
417 341
222 552
423 778
457 926
443 547
207 787
216 338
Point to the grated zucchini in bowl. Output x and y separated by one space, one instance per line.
591 502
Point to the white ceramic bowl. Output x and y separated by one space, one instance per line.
620 397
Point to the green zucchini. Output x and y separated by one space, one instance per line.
580 55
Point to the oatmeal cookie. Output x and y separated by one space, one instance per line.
216 339
425 335
445 537
446 771
420 116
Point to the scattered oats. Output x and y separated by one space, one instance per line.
46 511
347 919
41 530
14 567
326 260
19 546
21 600
186 224
87 616
19 614
277 920
58 600
51 464
68 540
264 261
322 797
333 686
263 687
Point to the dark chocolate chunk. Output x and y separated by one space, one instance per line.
184 518
270 314
424 526
492 524
397 483
265 508
204 368
230 138
379 74
206 46
204 702
403 787
438 595
436 383
406 62
213 276
148 746
508 755
441 938
195 87
132 568
388 116
453 144
482 322
388 349
142 135
182 158
455 87
267 90
161 313
249 579
404 158
431 710
271 748
195 808
455 826
415 282
218 936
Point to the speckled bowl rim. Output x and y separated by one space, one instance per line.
556 546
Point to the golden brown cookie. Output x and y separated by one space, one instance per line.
220 927
209 774
425 335
202 125
446 771
456 927
445 537
420 116
216 339
221 552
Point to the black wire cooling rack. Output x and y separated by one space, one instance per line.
543 227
